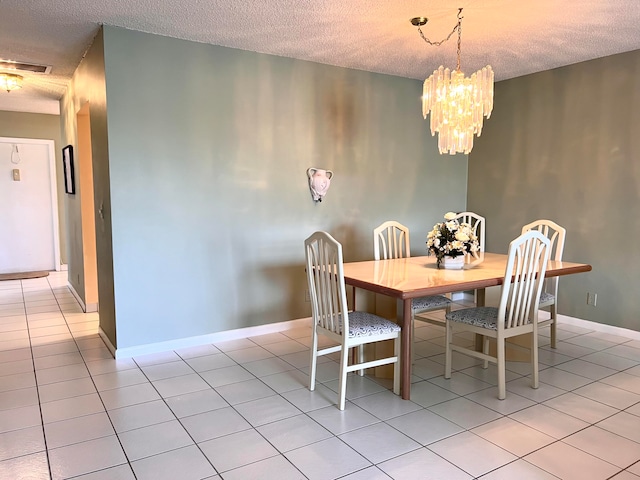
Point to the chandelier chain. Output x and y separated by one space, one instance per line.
457 28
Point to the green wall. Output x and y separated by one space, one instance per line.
564 145
45 127
209 203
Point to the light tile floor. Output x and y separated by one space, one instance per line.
242 410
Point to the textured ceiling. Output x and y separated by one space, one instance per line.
515 37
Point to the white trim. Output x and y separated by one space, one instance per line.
64 267
88 308
211 338
77 296
107 342
91 307
455 296
598 327
54 205
241 333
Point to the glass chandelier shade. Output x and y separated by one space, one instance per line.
10 81
457 106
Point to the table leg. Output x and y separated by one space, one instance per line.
480 297
404 314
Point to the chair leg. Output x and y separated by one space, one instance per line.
342 389
314 360
554 322
485 350
396 366
361 359
502 387
447 355
534 360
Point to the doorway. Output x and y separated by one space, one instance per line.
29 231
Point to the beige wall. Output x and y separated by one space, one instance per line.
565 145
45 127
88 87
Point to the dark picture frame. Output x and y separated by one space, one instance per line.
69 175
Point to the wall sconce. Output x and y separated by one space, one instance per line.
319 182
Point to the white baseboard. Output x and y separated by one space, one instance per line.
599 327
107 342
88 308
239 333
91 307
77 296
456 296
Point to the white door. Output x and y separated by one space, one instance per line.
28 206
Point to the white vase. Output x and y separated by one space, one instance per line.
451 263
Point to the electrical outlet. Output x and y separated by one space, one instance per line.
307 298
592 299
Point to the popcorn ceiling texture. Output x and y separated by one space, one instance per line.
515 37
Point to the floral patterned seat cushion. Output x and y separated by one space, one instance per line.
546 299
364 324
431 302
485 317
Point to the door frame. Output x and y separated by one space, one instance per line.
54 189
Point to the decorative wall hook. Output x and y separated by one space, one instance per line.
319 182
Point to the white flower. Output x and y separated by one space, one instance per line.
463 237
457 245
449 216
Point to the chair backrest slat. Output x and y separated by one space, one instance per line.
523 280
391 240
325 277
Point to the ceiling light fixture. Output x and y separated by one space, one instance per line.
10 81
457 104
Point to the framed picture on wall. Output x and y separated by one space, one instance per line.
67 162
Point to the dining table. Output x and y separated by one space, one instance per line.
412 277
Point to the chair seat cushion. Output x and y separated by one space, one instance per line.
430 302
364 324
485 317
546 299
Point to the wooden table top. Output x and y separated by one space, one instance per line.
418 276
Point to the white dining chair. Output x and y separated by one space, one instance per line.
332 319
516 314
556 234
477 223
391 240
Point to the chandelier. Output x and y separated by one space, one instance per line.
456 104
10 81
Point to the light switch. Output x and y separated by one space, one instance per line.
16 175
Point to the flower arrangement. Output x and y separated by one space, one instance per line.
451 238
